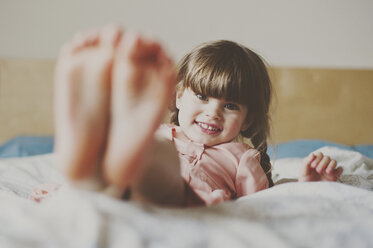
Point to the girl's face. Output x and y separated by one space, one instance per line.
210 121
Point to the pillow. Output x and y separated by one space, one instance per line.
301 148
23 146
366 150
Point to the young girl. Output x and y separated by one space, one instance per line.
112 91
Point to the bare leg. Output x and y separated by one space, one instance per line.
161 182
111 95
143 81
82 93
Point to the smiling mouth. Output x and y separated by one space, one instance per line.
208 128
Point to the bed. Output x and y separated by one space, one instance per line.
328 110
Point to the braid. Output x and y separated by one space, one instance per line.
260 143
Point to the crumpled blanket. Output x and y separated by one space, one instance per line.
289 215
315 214
357 169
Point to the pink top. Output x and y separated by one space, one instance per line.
218 173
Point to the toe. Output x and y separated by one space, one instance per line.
110 35
84 39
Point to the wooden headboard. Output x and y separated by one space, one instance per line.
26 98
309 103
333 105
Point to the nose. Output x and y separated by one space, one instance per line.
213 110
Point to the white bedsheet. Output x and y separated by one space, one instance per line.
288 215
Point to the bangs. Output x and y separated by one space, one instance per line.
219 75
216 85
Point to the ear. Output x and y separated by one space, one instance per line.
179 94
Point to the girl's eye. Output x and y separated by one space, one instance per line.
231 106
201 97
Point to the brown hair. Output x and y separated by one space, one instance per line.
225 69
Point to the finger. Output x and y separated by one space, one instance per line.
306 168
110 35
331 166
307 160
317 160
323 164
85 39
130 46
79 41
338 172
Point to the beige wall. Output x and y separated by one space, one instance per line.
302 33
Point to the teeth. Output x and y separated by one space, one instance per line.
205 126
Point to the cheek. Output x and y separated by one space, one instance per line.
191 110
185 116
235 125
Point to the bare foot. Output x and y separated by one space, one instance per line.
82 99
143 81
317 167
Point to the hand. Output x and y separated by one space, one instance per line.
318 167
43 191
